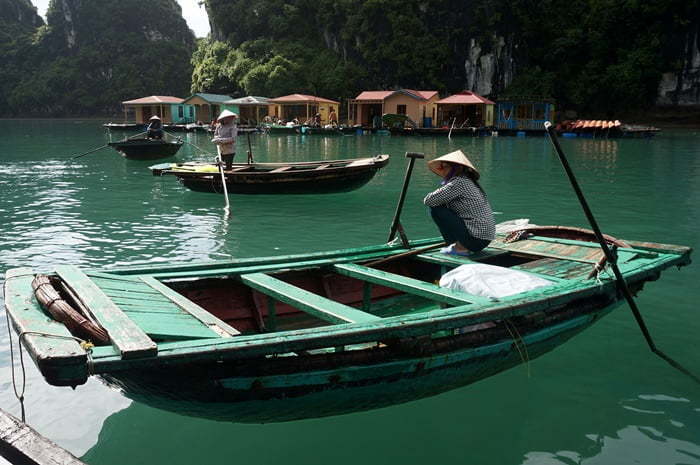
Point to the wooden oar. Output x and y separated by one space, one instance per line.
220 162
250 149
406 254
620 280
89 152
396 222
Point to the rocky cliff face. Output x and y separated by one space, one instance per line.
491 72
18 16
77 23
683 87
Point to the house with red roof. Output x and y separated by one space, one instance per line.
207 107
465 109
302 107
418 105
169 109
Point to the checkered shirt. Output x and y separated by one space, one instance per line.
463 197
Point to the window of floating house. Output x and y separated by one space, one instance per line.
539 111
191 112
524 111
401 109
180 111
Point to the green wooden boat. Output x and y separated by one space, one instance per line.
289 337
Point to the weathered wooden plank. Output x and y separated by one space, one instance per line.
22 445
136 288
281 169
126 336
217 325
313 304
61 360
409 285
172 327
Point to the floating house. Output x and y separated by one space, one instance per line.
171 110
302 107
419 105
208 106
252 109
465 109
524 113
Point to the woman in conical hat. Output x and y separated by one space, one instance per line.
225 137
459 206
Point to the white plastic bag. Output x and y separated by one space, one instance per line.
491 281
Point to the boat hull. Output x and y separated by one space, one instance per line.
146 149
334 176
263 393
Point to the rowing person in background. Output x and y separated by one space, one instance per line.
225 137
155 128
460 207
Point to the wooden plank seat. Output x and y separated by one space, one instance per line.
281 169
158 311
313 304
409 285
323 167
129 340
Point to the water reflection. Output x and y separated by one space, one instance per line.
103 209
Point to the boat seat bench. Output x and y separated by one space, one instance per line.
313 304
409 285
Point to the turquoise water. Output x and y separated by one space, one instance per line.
602 398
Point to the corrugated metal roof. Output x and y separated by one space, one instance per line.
211 98
249 100
384 94
465 98
300 98
153 99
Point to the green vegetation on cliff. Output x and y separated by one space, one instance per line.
92 55
599 55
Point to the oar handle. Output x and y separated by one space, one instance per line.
412 156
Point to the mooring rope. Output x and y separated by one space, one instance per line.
526 357
19 394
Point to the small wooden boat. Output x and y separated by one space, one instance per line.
289 337
146 149
327 176
338 131
281 129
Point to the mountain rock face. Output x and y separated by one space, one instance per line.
18 16
599 56
93 54
683 87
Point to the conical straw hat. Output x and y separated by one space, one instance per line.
226 114
154 117
458 157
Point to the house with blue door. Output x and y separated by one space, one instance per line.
208 106
171 110
523 113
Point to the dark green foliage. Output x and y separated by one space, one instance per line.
595 55
93 55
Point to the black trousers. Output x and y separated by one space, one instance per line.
228 159
453 229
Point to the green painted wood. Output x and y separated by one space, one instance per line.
172 327
125 335
215 324
313 304
62 361
224 267
125 287
409 285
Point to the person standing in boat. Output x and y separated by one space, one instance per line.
225 137
333 118
155 128
460 207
